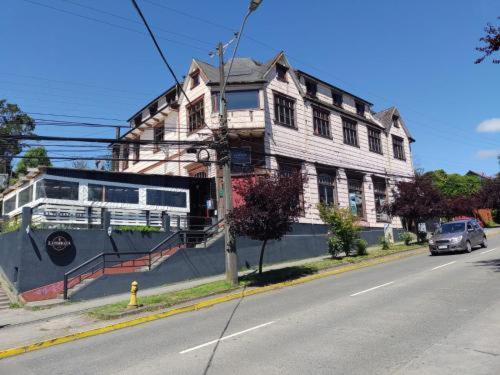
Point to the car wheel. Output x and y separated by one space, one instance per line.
468 247
484 244
434 253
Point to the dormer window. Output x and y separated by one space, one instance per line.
153 108
337 98
311 88
360 109
281 72
195 78
138 120
395 121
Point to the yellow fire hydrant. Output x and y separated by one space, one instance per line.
133 296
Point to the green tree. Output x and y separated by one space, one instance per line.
343 228
13 121
33 158
454 185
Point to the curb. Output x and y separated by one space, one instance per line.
203 304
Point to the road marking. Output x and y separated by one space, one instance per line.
443 265
226 337
368 290
487 251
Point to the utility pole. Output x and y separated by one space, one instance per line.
231 258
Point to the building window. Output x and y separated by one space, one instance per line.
195 78
170 98
57 189
153 108
356 203
9 205
374 142
290 168
196 115
380 193
25 196
398 148
326 188
284 111
125 156
138 120
197 170
115 155
311 88
281 72
158 136
350 132
200 174
395 121
321 122
241 159
113 194
337 98
165 198
245 99
136 152
360 108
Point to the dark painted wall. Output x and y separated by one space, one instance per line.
10 254
305 241
36 267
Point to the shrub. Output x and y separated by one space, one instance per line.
343 228
361 246
137 228
407 237
491 224
385 243
10 225
422 237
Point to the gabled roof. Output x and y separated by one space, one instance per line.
386 116
244 70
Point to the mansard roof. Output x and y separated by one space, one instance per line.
386 116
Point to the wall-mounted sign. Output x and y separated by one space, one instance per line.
58 243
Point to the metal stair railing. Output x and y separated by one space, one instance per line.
100 262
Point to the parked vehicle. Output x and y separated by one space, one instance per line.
459 235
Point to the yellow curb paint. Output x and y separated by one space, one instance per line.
200 305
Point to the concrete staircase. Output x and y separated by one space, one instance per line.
4 300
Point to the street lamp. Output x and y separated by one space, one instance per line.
231 260
254 4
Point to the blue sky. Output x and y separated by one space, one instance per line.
62 57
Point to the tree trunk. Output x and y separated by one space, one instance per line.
261 258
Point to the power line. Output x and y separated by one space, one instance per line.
61 115
100 140
111 24
136 22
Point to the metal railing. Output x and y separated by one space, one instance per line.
112 262
97 265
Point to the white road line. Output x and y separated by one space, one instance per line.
226 337
487 251
368 290
443 265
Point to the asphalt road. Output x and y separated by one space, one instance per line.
418 315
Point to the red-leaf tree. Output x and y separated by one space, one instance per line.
271 205
489 195
416 201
